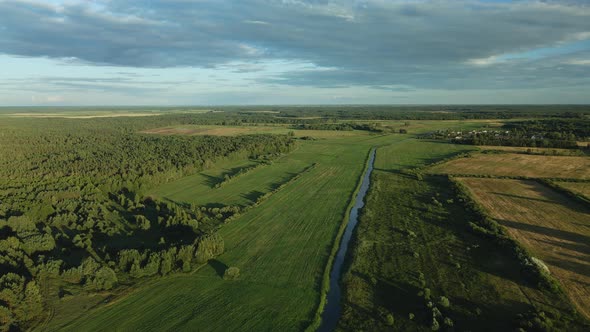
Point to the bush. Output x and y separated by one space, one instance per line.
434 326
104 278
426 293
444 302
231 273
448 322
389 320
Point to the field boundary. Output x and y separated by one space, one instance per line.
267 195
423 168
533 270
325 287
565 191
227 178
509 177
488 227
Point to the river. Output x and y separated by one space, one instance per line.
332 310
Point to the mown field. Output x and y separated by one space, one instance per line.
242 190
415 153
553 227
511 164
213 130
412 246
91 113
524 149
280 246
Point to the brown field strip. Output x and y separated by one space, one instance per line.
554 228
210 130
214 130
79 116
547 151
511 164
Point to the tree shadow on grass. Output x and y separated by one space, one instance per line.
572 266
211 181
579 248
253 195
547 231
218 266
523 197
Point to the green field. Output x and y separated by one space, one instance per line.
413 240
243 190
281 248
415 153
131 219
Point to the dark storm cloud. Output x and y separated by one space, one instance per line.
373 42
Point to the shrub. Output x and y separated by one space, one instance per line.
448 322
434 326
436 313
104 278
231 273
389 320
444 302
426 293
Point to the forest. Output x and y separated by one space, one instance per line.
72 205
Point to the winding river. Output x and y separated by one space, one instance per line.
332 309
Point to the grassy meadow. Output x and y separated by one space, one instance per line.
553 227
280 246
243 190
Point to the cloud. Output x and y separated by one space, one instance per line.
483 61
125 84
445 44
47 99
579 62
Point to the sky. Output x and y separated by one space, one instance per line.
255 52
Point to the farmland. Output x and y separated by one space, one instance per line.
295 166
582 188
412 247
273 292
511 164
555 229
244 190
528 150
247 130
182 198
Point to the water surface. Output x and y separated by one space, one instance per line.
332 309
